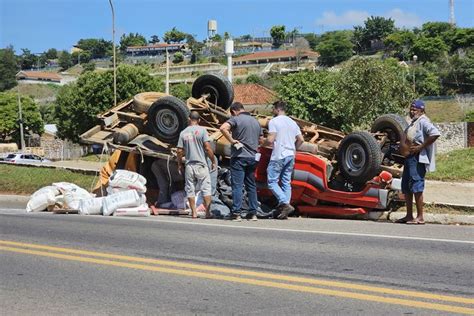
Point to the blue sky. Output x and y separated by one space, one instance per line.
42 24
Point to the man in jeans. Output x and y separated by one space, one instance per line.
194 144
285 136
243 131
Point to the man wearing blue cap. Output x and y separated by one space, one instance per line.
419 139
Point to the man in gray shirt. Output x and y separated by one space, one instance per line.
194 145
246 133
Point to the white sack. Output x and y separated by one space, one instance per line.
139 211
45 189
112 190
128 180
73 198
91 206
123 199
41 199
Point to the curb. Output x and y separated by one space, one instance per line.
19 202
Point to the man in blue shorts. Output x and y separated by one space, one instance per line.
420 136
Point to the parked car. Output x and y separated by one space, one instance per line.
25 158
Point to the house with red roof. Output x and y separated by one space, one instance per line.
254 96
38 76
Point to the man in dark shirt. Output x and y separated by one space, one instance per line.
243 131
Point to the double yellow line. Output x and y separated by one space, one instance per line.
287 282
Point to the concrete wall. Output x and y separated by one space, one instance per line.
57 149
453 136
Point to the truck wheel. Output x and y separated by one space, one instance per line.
394 126
219 87
359 157
143 101
167 117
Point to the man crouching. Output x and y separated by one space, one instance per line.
195 143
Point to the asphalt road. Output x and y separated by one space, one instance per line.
68 264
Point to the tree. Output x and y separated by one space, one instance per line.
216 38
181 91
81 57
278 35
254 78
9 124
65 60
98 48
334 47
246 37
174 36
400 44
461 38
8 68
311 96
301 46
131 40
178 57
190 40
51 53
226 36
27 59
368 88
375 29
435 29
429 48
313 40
78 103
154 39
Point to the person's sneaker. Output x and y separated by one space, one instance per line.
254 218
237 218
286 209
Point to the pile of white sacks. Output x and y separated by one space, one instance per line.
125 197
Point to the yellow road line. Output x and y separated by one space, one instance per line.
351 286
270 284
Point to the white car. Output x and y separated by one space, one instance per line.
25 158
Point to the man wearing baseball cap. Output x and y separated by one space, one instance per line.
420 136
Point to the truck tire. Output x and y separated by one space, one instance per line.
392 124
167 117
219 87
143 101
359 157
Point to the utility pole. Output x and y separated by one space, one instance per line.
113 47
167 81
22 138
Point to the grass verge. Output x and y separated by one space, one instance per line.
95 158
456 165
26 180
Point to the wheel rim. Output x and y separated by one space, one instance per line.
167 121
355 158
212 91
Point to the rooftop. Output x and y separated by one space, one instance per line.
253 94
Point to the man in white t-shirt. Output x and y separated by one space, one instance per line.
284 136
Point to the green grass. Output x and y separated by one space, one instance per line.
440 111
95 158
456 165
37 90
26 180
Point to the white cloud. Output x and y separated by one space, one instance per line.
402 18
354 17
350 17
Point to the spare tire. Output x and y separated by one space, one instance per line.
218 87
359 157
167 117
392 124
143 101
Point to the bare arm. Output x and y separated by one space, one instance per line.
270 139
414 149
225 130
210 154
299 141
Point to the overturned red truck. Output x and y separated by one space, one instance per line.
335 174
